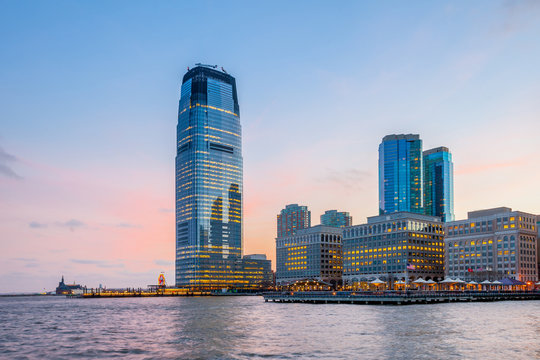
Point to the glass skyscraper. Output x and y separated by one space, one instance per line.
439 183
400 174
335 218
208 180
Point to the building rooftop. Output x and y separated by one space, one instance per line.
210 71
436 150
488 212
255 257
401 215
319 229
401 137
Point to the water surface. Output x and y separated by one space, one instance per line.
247 327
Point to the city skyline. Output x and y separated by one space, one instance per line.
88 119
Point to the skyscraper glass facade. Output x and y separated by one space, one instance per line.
292 218
400 174
336 218
439 183
208 180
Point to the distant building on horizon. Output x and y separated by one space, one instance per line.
335 218
65 289
293 218
208 180
400 174
312 253
439 183
493 244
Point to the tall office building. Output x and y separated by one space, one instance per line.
292 218
208 180
336 218
400 174
439 183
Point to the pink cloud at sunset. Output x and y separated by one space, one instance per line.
86 227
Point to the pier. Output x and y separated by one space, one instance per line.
139 293
153 292
396 298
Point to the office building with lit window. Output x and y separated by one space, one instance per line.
293 218
397 246
493 244
538 245
336 218
400 174
312 253
208 180
439 183
255 272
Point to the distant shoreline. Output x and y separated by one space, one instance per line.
19 295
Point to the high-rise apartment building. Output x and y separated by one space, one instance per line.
493 244
208 180
400 174
292 218
336 218
439 183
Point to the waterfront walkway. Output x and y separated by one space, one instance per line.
155 293
396 297
140 293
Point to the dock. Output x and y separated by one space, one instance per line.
126 293
396 298
140 293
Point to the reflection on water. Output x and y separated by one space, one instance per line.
247 327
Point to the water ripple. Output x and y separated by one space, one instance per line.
248 328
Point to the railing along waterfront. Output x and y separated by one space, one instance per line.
397 297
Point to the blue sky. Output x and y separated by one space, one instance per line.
88 105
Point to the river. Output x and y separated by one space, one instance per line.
247 327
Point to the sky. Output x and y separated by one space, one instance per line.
89 99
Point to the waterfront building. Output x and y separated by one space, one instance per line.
208 180
538 245
398 246
336 219
312 253
65 289
293 218
493 244
400 174
439 183
255 272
